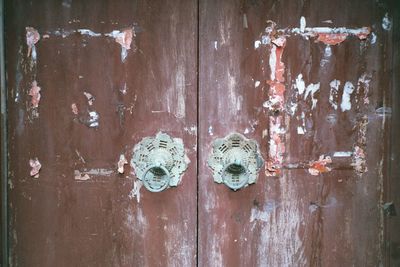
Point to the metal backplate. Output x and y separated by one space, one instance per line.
159 161
235 161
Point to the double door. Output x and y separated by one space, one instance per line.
311 83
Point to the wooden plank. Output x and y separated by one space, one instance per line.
291 217
60 218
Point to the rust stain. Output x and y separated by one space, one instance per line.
36 166
34 92
319 166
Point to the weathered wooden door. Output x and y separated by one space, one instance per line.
109 73
311 82
318 100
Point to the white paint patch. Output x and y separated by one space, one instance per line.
256 84
93 119
89 97
246 131
88 32
311 90
135 192
257 44
216 45
210 131
346 100
333 95
191 130
81 176
386 22
300 130
300 84
342 154
373 38
122 161
302 24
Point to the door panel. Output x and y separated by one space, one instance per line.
99 95
318 103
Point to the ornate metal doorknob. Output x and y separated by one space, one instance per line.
235 161
159 161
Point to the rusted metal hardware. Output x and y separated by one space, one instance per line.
235 161
159 161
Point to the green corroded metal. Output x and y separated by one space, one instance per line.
159 161
235 161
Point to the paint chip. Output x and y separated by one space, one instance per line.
36 166
90 98
122 161
346 100
32 37
319 166
80 176
34 92
386 22
74 109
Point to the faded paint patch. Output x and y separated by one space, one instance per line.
35 167
346 100
135 192
121 163
320 166
32 37
34 92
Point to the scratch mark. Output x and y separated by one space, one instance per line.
135 192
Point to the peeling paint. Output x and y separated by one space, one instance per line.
88 32
359 160
121 163
333 95
93 119
35 167
124 38
363 85
319 166
311 90
34 92
32 37
346 100
386 22
81 176
74 109
90 98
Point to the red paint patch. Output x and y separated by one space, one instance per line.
332 38
34 92
319 166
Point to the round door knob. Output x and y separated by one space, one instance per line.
159 161
235 161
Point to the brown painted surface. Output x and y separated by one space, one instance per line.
62 218
294 218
